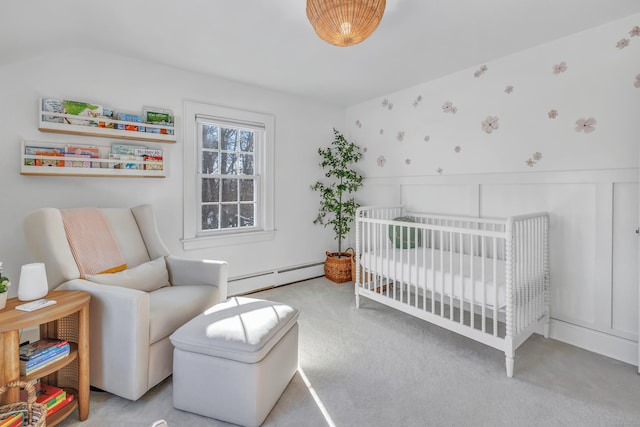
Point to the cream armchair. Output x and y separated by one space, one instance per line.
130 320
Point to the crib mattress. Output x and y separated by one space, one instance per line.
434 271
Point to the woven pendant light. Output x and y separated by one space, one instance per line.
345 22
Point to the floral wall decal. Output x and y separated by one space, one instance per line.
622 43
448 107
387 104
439 170
551 104
480 71
490 124
381 161
535 159
586 125
560 68
365 149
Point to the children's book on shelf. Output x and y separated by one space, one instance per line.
126 149
28 367
45 394
31 350
59 405
81 151
43 151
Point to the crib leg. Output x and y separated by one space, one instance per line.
357 301
510 361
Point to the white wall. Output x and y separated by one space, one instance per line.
302 126
434 160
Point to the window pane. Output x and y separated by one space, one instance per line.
229 190
210 136
210 162
228 163
210 190
246 141
229 139
229 216
246 215
246 190
245 164
210 217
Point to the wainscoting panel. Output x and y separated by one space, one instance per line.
573 254
625 260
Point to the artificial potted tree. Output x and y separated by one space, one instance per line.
337 203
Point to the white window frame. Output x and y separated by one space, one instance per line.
264 165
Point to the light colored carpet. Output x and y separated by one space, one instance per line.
375 366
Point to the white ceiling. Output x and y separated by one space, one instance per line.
270 43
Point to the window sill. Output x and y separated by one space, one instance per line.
226 240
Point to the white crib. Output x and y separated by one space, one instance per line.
486 279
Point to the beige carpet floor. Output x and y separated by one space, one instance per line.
375 366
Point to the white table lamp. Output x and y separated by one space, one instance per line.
33 282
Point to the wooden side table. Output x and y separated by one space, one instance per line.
68 319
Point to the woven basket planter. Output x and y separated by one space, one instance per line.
336 269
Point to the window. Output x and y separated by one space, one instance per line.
228 176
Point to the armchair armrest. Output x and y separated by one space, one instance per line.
119 331
185 271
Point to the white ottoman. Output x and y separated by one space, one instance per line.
234 361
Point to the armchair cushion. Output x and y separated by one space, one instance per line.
173 306
149 276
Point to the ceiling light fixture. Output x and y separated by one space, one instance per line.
345 22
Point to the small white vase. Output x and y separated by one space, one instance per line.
3 299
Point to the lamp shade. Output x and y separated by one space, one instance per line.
345 22
33 282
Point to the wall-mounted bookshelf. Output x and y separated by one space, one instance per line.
58 121
64 159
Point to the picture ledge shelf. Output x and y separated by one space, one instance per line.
99 167
49 121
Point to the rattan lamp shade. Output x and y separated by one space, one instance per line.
345 22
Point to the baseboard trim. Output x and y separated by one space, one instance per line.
611 346
270 279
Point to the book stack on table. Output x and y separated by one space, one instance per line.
41 353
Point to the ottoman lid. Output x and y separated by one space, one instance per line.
240 328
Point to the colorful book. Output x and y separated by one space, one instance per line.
26 370
31 350
43 151
12 421
55 408
45 394
55 351
81 151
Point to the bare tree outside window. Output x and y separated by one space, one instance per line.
228 177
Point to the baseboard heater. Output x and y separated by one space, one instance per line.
270 279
